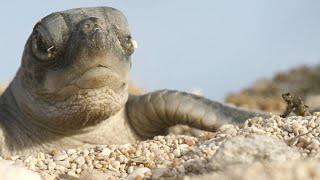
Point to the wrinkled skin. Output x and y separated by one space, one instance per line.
72 90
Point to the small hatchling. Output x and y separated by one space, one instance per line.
71 90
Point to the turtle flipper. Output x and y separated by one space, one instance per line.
151 114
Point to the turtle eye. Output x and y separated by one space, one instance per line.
41 46
129 44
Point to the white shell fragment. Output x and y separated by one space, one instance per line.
134 43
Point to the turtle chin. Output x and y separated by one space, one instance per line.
88 107
85 108
95 96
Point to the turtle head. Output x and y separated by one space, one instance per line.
75 67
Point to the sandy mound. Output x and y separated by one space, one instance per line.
266 94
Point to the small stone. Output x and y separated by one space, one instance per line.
130 169
51 166
78 171
73 166
314 144
106 152
225 127
184 149
72 157
257 130
54 152
95 162
171 156
181 169
138 172
71 151
98 166
65 164
84 166
60 157
40 163
115 165
189 141
88 159
177 152
41 156
72 174
85 152
176 162
60 168
80 160
146 152
231 131
121 158
27 160
32 167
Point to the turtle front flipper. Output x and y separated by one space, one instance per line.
151 114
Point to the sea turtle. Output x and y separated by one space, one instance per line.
71 90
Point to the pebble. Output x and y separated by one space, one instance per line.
116 165
60 168
177 152
54 152
72 175
98 166
78 171
65 164
189 141
80 160
181 169
106 152
184 148
60 157
138 172
130 169
71 151
41 156
51 166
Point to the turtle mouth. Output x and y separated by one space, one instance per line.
100 76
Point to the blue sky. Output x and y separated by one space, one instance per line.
217 46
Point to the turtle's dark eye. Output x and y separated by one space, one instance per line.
128 44
41 45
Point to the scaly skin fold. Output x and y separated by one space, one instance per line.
153 113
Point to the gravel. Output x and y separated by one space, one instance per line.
174 156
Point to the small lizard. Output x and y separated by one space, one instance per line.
295 105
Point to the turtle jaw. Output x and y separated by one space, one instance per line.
100 76
95 78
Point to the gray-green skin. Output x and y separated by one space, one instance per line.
72 90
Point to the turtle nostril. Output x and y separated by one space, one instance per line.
91 25
87 26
